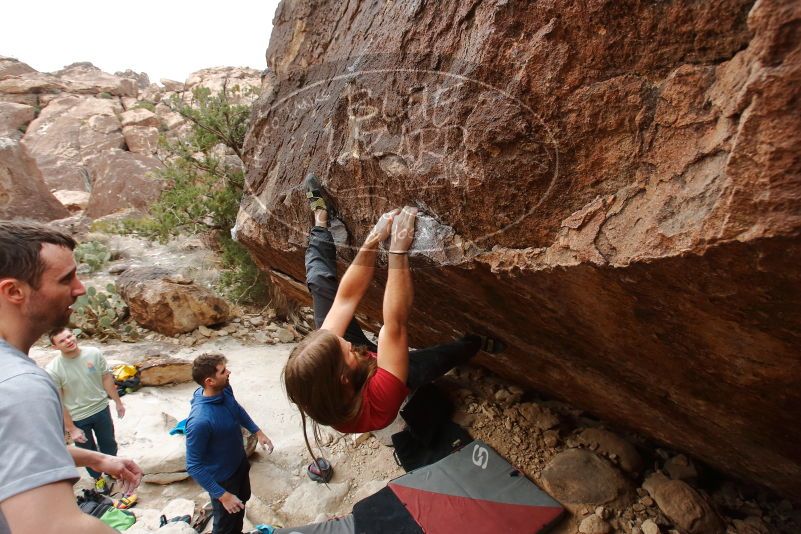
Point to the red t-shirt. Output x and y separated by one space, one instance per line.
382 397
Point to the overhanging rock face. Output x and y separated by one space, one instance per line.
612 187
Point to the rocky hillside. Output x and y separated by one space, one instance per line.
613 187
82 139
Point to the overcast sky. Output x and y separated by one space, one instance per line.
165 38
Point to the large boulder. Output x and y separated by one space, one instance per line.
141 78
74 201
169 304
123 180
31 83
69 133
15 117
85 78
13 67
23 193
163 370
139 117
162 456
217 78
141 139
613 188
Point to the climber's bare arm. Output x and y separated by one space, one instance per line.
393 346
357 278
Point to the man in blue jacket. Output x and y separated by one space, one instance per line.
215 452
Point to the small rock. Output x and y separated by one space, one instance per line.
539 417
285 336
681 468
614 446
594 525
506 396
551 438
256 321
358 439
638 507
580 477
683 505
117 269
602 512
463 419
649 527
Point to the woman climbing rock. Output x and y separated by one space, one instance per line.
336 376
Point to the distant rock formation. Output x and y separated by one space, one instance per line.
83 130
613 188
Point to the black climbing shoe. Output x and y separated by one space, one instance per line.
314 192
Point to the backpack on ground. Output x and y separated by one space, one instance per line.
126 378
101 507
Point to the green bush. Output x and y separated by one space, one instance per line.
92 254
142 226
146 104
102 315
106 95
203 193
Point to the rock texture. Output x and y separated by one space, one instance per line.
69 133
123 180
169 304
613 188
22 189
163 370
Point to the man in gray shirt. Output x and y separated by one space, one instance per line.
38 285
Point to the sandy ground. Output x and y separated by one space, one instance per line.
282 492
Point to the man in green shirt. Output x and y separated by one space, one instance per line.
86 383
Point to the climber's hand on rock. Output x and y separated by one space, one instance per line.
403 230
382 228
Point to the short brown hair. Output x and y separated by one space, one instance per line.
20 244
205 366
56 331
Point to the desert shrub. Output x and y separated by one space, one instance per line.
146 104
102 315
204 190
92 254
106 95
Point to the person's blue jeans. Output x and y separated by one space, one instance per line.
425 365
99 432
